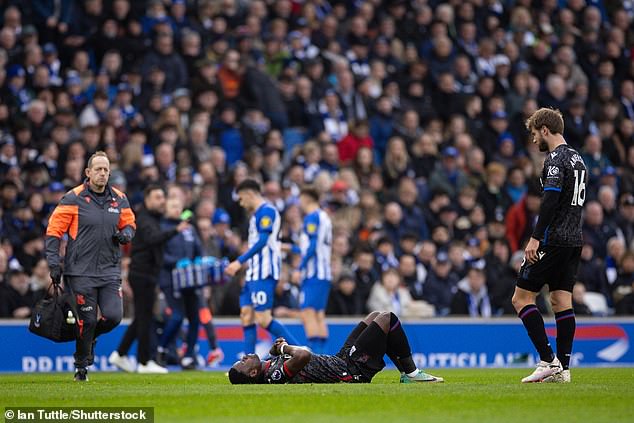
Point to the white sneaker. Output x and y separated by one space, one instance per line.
188 363
544 369
151 368
561 377
121 361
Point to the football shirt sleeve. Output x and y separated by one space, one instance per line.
265 220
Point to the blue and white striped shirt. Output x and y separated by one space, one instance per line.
267 261
315 243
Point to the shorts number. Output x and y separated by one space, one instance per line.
258 298
579 196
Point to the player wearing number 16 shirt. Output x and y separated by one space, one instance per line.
264 263
552 253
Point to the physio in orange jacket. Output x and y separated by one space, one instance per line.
97 219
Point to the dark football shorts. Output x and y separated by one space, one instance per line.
556 267
364 354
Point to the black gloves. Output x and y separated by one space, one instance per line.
56 275
121 237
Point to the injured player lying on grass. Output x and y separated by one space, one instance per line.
360 358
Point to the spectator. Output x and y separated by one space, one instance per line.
349 99
521 216
393 226
169 61
332 118
578 302
624 284
409 127
472 297
414 278
594 159
390 295
492 196
364 273
384 255
448 176
498 125
577 124
595 230
18 296
344 299
501 277
616 250
397 162
40 279
442 284
31 251
592 272
357 138
413 217
227 133
382 126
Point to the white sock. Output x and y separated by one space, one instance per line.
413 374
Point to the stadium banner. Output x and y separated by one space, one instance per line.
435 343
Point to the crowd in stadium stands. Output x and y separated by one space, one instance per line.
407 115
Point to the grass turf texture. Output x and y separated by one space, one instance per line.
483 395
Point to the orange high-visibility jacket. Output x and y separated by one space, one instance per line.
90 222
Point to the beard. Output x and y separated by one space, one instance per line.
543 145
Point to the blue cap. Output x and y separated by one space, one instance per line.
6 139
49 48
221 216
293 35
15 70
450 152
608 171
56 187
442 257
505 136
523 66
124 86
500 114
73 78
473 242
479 264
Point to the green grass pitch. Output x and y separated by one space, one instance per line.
469 395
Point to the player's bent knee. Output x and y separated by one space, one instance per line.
519 302
560 301
383 320
370 317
